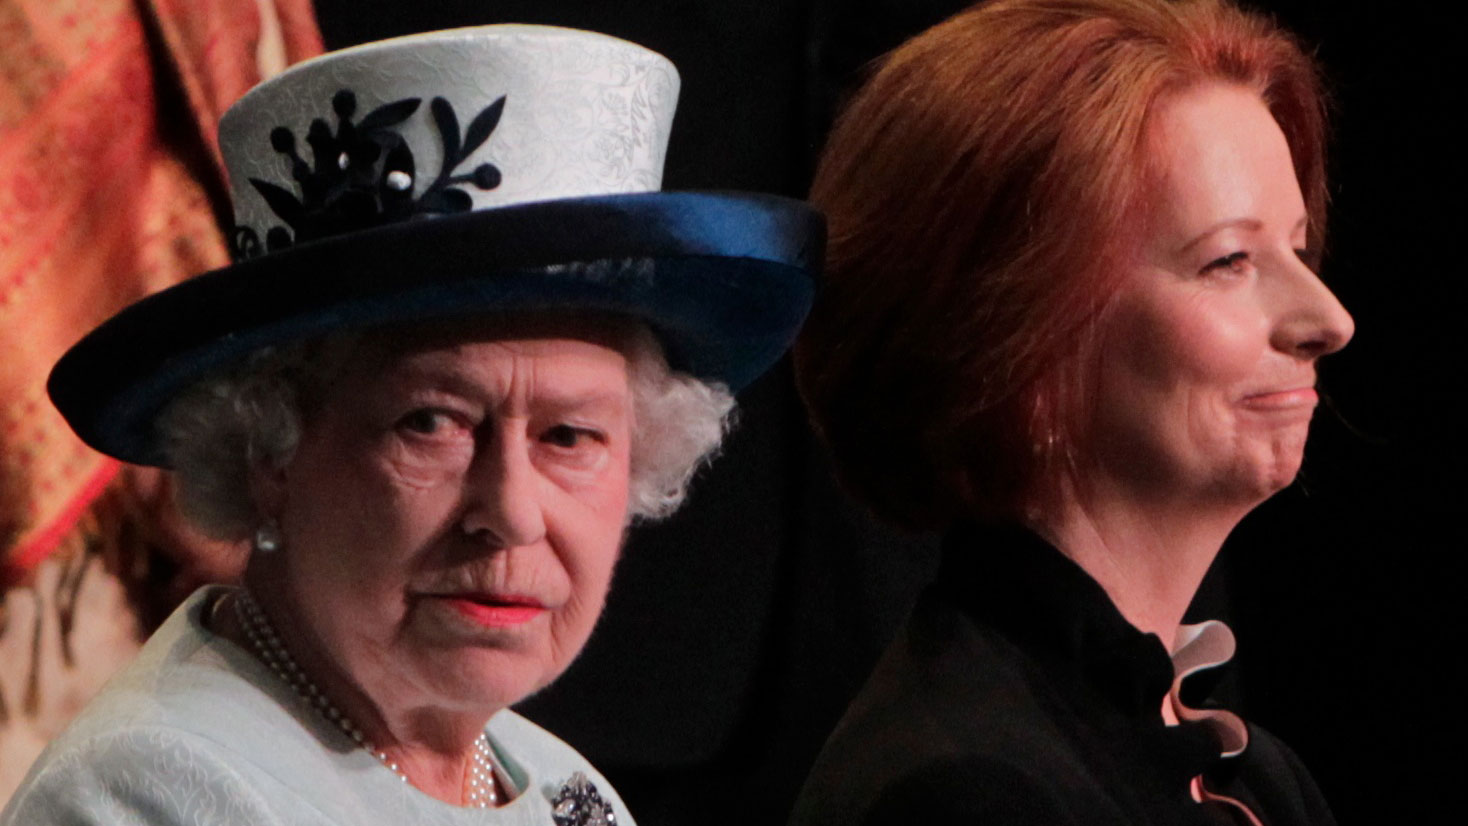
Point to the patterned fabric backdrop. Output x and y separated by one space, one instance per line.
110 188
108 166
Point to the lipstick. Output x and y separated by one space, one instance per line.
1298 398
496 611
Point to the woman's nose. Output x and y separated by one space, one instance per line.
502 503
1309 320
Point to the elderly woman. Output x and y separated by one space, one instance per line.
1072 318
465 343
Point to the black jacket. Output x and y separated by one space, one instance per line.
1018 694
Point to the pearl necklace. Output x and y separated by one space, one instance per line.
480 787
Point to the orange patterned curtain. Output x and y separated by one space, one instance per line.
111 188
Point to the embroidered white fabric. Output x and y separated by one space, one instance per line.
584 113
196 730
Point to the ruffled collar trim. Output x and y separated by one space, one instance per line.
1032 593
1198 648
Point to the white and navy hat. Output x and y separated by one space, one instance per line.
465 172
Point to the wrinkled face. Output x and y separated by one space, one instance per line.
453 512
1207 376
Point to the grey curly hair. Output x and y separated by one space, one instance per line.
218 430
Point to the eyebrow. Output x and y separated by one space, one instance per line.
595 403
437 377
459 383
1251 224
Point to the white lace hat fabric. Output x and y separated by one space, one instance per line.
578 114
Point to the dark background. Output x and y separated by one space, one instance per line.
737 631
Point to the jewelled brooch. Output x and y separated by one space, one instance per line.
578 803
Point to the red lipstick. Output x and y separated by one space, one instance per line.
496 611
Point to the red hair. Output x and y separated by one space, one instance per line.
982 189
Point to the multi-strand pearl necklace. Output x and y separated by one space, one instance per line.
480 786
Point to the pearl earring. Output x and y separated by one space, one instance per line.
267 537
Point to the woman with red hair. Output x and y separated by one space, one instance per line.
1072 319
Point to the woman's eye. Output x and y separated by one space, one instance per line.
426 422
568 447
428 445
1236 262
569 437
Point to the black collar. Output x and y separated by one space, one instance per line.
1023 587
1019 585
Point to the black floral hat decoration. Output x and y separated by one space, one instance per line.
462 173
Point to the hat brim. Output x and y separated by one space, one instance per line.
723 279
